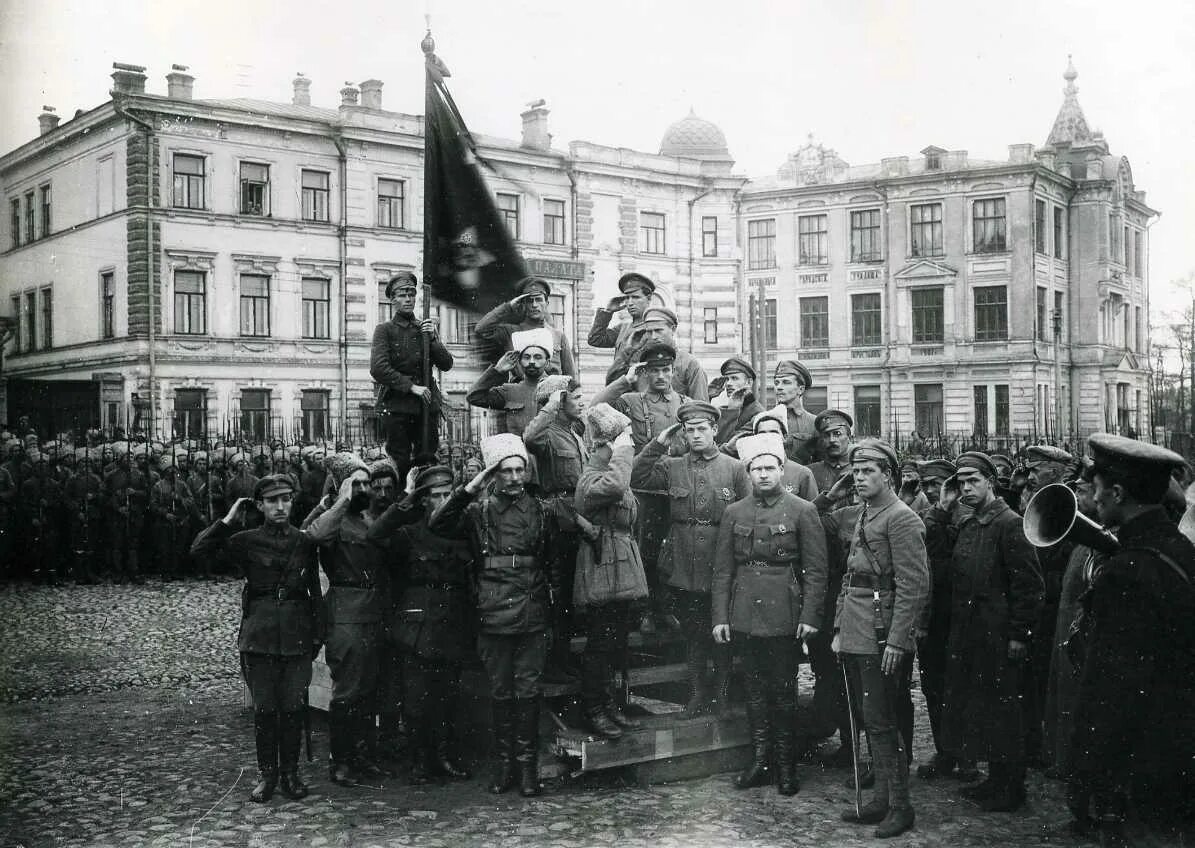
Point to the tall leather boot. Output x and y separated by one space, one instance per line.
883 755
265 736
900 810
527 746
759 771
290 738
392 736
365 729
988 787
340 745
722 668
1010 790
701 697
784 723
594 672
445 758
504 732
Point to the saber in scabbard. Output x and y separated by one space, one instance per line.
850 711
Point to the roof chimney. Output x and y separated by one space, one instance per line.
302 91
128 79
371 94
535 126
348 95
179 84
47 120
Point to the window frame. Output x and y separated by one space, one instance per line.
190 415
771 323
810 320
1003 409
1039 226
30 217
250 414
859 237
509 215
385 307
997 221
390 202
921 335
934 226
1059 232
15 222
243 183
186 301
999 333
819 239
979 406
650 235
710 324
191 181
761 244
30 311
108 304
555 231
1040 313
45 307
256 306
315 414
861 317
311 309
922 409
861 416
709 236
46 200
19 337
311 212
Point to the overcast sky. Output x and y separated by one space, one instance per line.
868 79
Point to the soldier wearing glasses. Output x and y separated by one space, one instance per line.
396 364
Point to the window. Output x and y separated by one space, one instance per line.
1041 313
30 321
709 235
255 413
933 161
190 303
925 229
314 405
991 314
47 319
770 334
812 231
1002 409
1123 417
1057 317
865 319
315 195
457 325
815 321
553 222
651 232
46 217
316 308
15 222
865 235
1138 255
989 223
107 305
927 315
711 325
255 189
508 209
19 336
761 244
390 204
1128 245
980 394
867 410
927 409
1114 245
190 413
30 219
1139 330
1059 231
1039 226
556 312
255 305
385 307
188 181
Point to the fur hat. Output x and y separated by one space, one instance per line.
778 414
761 444
539 337
548 385
502 446
605 423
343 464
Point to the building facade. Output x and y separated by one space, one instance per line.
193 266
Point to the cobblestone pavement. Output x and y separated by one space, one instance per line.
124 727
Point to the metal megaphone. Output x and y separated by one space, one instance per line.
1052 515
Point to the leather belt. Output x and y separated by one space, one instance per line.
759 563
863 580
447 587
280 593
694 522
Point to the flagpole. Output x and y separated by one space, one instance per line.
428 46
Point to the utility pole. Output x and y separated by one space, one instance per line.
1058 376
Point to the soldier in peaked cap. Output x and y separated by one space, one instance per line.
791 380
652 411
700 485
996 592
659 325
636 291
396 364
1134 739
768 583
833 427
737 400
282 625
797 479
527 311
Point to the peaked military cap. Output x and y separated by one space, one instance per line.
1125 457
434 475
401 281
660 313
790 367
525 285
696 410
937 468
876 450
658 353
270 485
634 279
1046 453
828 418
737 363
977 460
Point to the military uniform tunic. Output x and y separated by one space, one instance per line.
514 402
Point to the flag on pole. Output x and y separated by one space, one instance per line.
469 257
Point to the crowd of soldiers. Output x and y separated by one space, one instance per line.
770 537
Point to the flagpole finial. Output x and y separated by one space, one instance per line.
428 45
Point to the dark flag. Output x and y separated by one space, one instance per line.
469 258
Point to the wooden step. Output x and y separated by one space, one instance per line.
663 737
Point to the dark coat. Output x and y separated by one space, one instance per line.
1135 719
996 596
396 364
434 616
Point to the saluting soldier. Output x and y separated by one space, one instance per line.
508 532
527 311
996 591
659 326
911 491
884 592
431 620
768 584
282 626
515 402
701 484
396 364
1134 741
637 290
